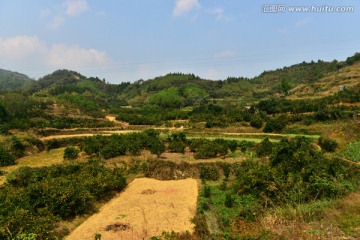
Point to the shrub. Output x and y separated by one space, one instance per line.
207 191
210 149
328 145
226 169
229 201
232 145
275 124
71 153
6 158
209 173
157 147
17 147
264 148
256 122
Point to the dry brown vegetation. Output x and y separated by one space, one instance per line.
145 209
328 85
337 220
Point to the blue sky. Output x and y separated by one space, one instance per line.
128 40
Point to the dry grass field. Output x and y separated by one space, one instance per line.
54 156
145 209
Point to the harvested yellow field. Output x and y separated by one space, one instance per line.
145 209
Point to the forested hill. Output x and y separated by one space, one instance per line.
12 80
300 80
70 93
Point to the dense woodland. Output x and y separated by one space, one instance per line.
304 158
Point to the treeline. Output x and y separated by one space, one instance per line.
149 115
120 145
133 143
36 199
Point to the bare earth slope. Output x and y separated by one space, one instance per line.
145 209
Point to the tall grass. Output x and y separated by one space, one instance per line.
352 151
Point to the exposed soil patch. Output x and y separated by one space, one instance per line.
148 191
117 227
145 209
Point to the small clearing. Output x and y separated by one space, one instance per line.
54 156
145 209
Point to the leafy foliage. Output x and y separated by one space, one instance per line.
34 200
71 153
328 145
6 158
296 174
168 98
275 124
264 148
209 173
118 145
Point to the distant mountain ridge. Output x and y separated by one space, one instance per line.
10 80
305 79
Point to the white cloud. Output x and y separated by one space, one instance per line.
75 7
61 55
219 13
27 49
184 6
20 46
303 22
56 16
225 54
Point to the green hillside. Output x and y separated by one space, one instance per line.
13 80
65 99
280 82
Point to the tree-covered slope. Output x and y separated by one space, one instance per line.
13 80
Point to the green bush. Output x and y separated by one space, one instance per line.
229 201
275 124
264 148
227 170
207 191
209 173
71 153
232 145
6 158
328 145
210 149
17 147
256 122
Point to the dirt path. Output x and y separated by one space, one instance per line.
145 209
